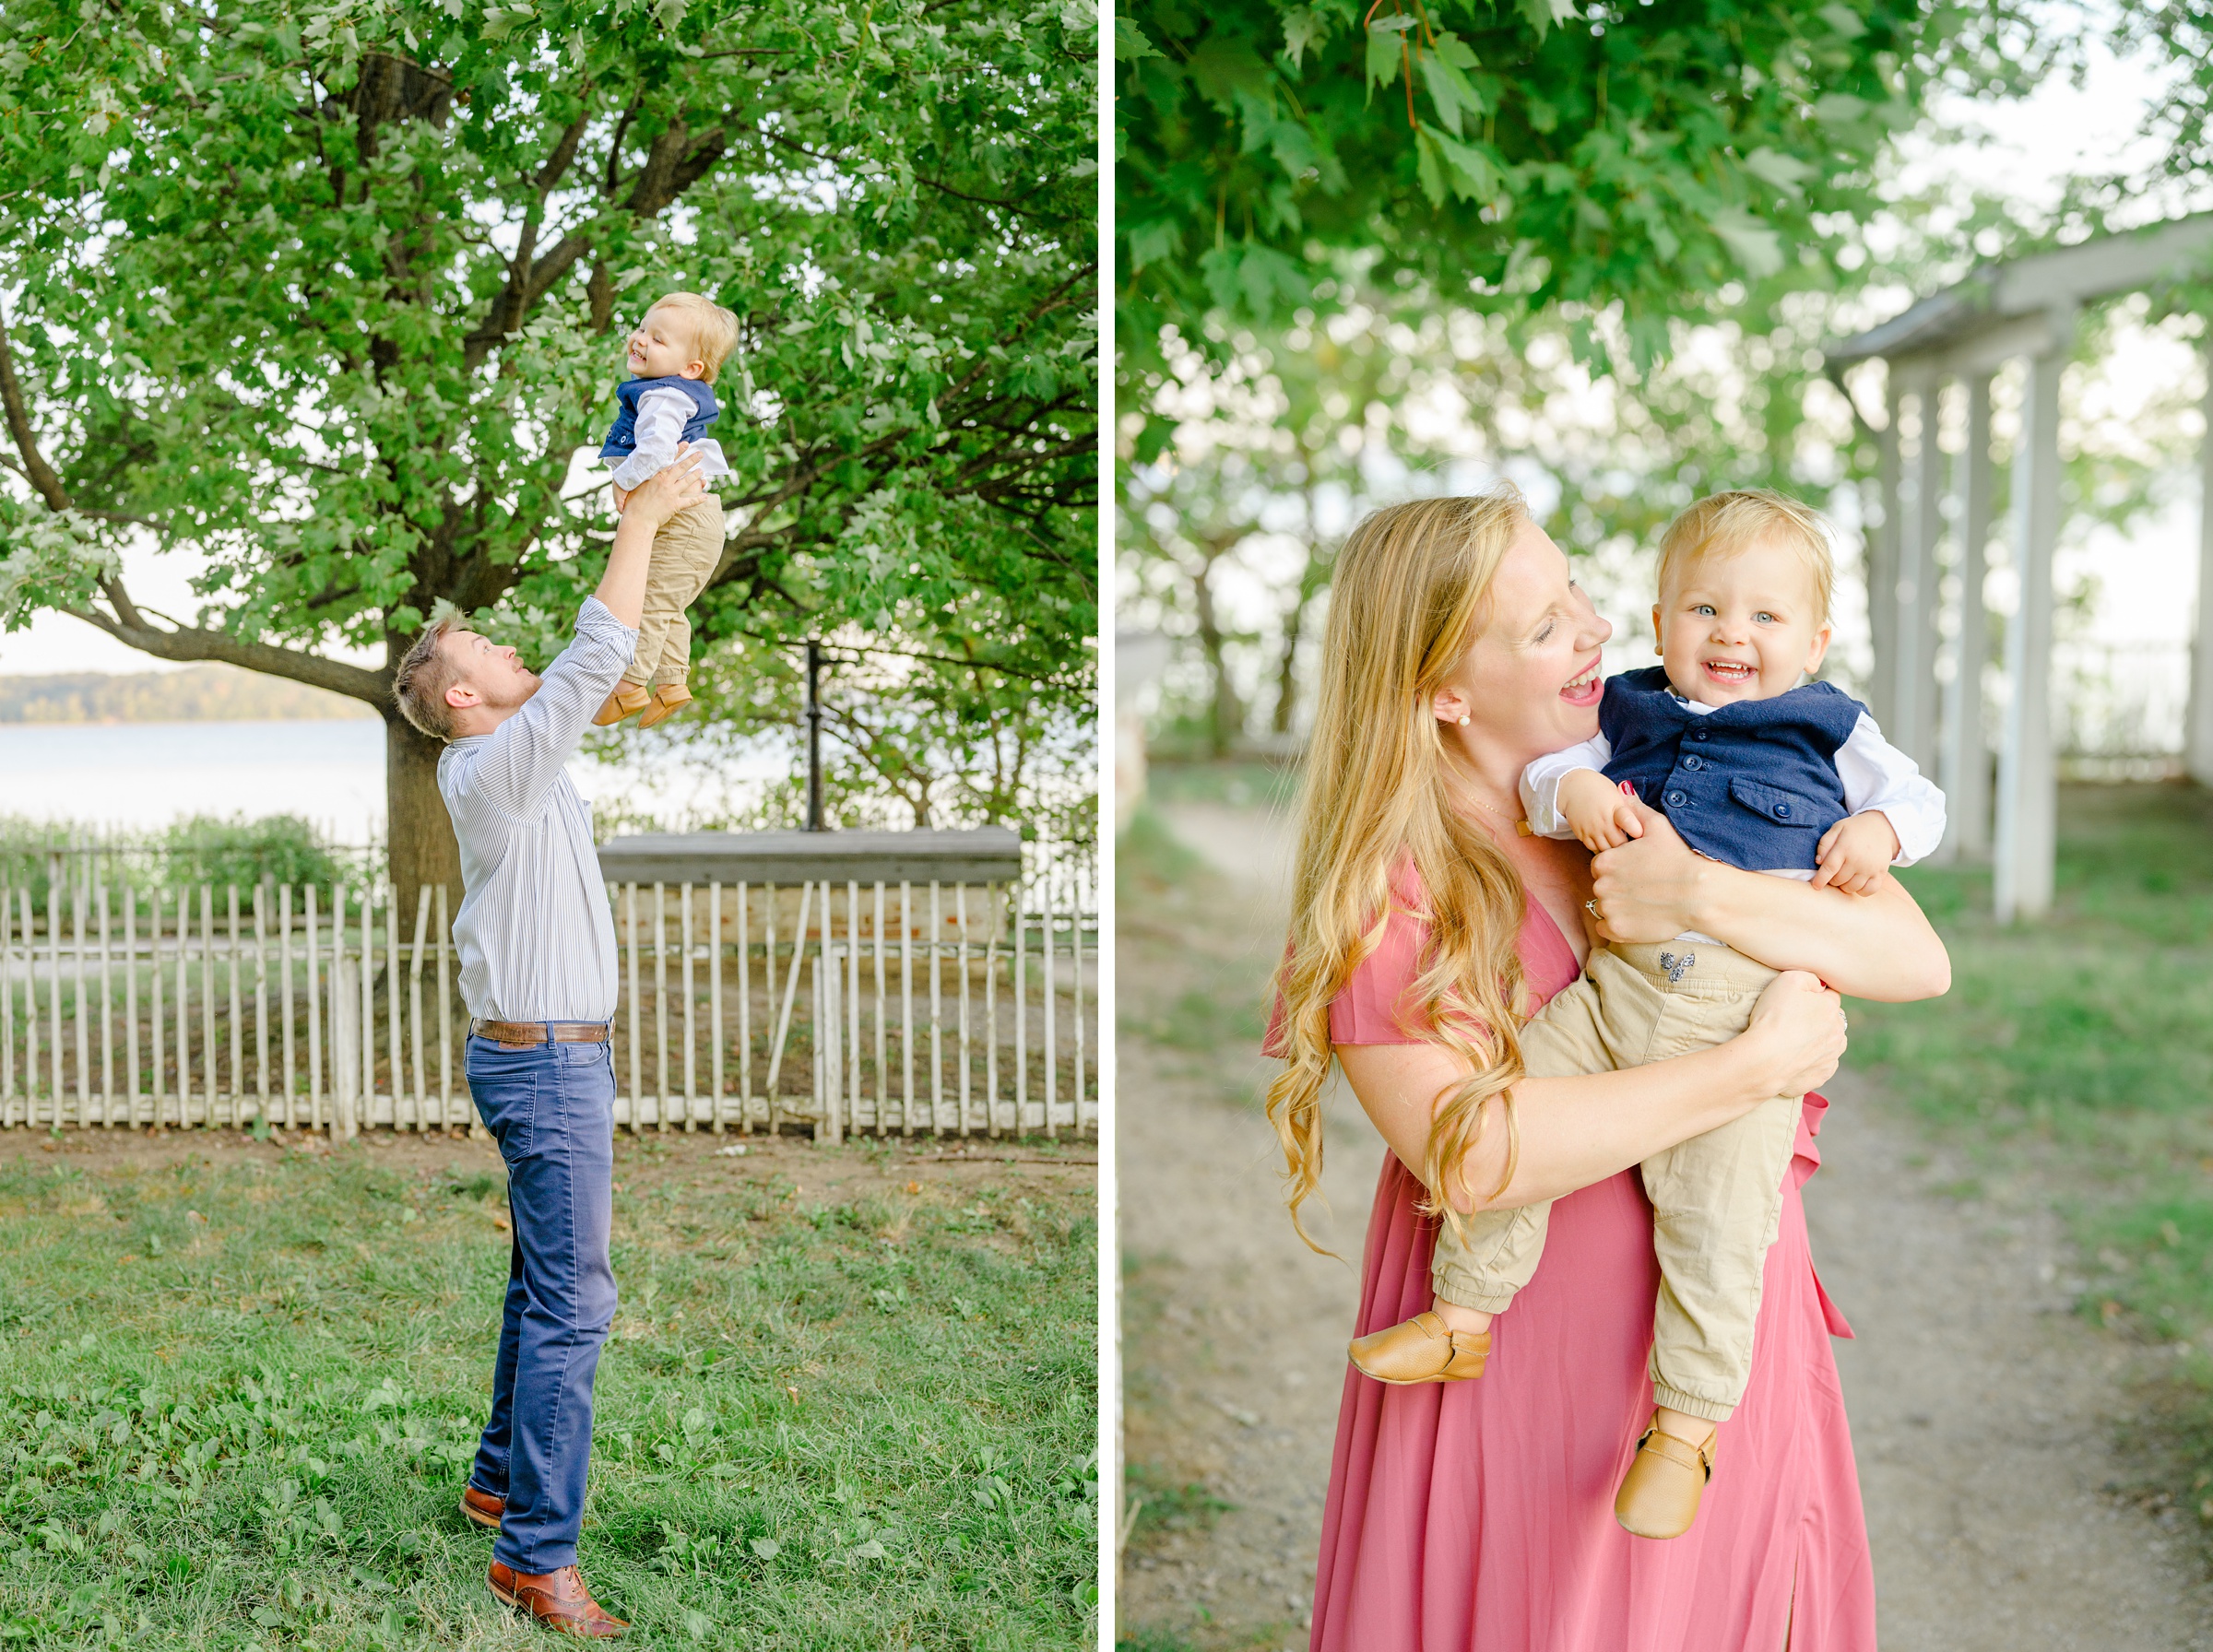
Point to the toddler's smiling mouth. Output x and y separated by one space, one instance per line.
1734 673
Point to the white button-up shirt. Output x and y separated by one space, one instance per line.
535 939
1876 775
662 415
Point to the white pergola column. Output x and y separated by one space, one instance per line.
2027 775
1913 726
1963 763
2197 750
1882 560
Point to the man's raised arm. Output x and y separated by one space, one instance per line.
524 756
622 586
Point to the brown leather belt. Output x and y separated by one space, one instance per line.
521 1033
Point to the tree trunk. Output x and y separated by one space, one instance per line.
1287 669
1226 717
423 850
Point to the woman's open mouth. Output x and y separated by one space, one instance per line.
1734 673
1584 688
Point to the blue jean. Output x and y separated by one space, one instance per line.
550 1108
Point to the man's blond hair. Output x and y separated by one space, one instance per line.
424 675
713 329
1722 525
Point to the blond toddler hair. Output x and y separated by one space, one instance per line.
1721 524
713 329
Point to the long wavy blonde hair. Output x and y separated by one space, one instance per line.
1407 601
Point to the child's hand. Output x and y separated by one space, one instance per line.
1601 814
621 496
1856 852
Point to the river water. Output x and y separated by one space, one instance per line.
147 774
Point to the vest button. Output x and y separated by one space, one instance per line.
1698 734
1694 762
1676 799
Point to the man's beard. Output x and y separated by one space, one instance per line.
512 696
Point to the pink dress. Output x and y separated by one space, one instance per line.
1479 1517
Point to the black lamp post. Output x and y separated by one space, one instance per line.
814 736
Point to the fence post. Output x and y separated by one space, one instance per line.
829 1034
345 1039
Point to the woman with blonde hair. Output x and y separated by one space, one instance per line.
1424 930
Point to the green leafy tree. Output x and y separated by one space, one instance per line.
327 293
1521 157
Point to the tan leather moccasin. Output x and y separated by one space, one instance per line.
1422 1350
1659 1495
557 1599
667 699
481 1508
628 700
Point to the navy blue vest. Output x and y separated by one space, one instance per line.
1753 783
623 441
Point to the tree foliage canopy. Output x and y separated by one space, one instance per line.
325 292
1510 154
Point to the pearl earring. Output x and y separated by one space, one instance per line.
1463 719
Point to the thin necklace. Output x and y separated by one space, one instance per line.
1521 827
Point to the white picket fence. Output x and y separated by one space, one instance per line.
842 1007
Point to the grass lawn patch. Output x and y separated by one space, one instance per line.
849 1401
2078 1052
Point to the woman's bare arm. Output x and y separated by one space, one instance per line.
1874 946
1577 1131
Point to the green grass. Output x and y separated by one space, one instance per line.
241 1402
2094 1019
2078 1053
1239 784
1223 1009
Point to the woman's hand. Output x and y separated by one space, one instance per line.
1797 1028
1647 889
1872 946
675 486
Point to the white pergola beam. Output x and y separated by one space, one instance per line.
2066 279
2197 748
1881 551
2027 793
1963 770
1913 694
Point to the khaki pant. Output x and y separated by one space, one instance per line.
686 552
1716 1199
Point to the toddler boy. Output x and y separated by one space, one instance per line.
673 354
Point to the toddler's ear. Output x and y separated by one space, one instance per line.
1818 652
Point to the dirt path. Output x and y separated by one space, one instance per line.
1983 1412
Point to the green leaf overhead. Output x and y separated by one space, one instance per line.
1514 154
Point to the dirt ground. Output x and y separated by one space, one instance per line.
1984 1413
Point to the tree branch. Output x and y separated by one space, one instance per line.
127 624
19 424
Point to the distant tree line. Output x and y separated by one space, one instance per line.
200 694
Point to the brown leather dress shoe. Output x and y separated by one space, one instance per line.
667 699
557 1599
1422 1350
482 1508
628 698
1659 1495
